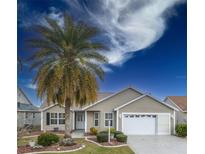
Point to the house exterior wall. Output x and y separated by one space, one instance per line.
101 127
108 106
55 109
181 117
144 105
22 120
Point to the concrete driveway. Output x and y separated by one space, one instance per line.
157 144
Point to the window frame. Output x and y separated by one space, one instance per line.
61 118
53 118
34 115
98 119
109 119
26 115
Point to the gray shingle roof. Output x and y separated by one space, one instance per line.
27 107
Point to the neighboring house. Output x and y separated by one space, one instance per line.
27 113
128 110
180 102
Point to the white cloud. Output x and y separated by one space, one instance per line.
31 86
131 25
27 19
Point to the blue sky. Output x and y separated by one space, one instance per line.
147 41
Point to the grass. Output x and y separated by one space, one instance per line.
25 141
89 149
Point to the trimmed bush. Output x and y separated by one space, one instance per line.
121 138
181 130
116 133
103 132
112 130
93 130
102 137
47 139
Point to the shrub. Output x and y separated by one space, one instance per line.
103 132
102 137
121 138
116 133
93 130
112 130
47 139
181 130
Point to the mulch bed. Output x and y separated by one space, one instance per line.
88 134
40 132
113 142
27 149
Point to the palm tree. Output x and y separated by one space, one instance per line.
68 63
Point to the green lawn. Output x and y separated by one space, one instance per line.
90 148
24 141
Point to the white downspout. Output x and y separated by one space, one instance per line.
174 121
117 120
85 121
73 120
41 120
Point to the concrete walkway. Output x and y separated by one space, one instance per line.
78 134
157 144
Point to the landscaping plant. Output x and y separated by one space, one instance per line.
67 61
102 137
121 138
116 133
93 130
181 130
47 139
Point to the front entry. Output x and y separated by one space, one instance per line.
80 120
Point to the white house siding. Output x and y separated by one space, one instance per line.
22 120
55 109
108 105
181 117
21 97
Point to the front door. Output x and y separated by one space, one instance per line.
80 120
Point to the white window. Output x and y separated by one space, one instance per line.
34 115
108 117
26 115
96 119
61 119
54 118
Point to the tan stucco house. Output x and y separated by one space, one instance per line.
180 102
129 110
27 113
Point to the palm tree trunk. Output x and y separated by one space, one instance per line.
67 118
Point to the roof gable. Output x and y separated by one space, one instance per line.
26 107
142 96
179 101
138 92
21 97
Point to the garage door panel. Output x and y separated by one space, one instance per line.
163 124
146 124
139 125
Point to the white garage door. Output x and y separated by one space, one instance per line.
135 124
163 124
145 124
